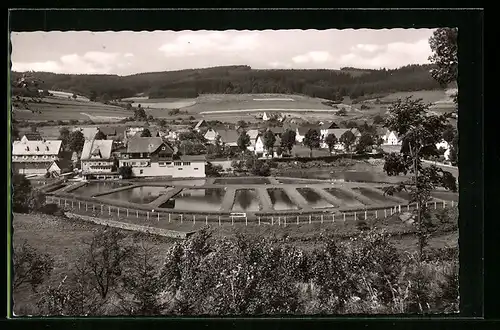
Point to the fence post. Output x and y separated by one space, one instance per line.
452 203
194 219
109 210
333 217
93 207
232 221
279 221
355 216
365 214
147 215
72 204
169 217
64 202
444 204
310 218
435 205
298 221
392 209
385 213
206 220
408 207
259 220
272 221
399 208
285 221
219 220
137 213
118 211
376 214
344 216
127 212
59 201
246 221
78 204
181 218
158 216
322 218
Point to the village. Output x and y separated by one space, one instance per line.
111 152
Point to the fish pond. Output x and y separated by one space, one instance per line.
246 200
209 200
139 195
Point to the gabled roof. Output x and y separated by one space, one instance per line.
304 129
33 136
329 125
32 148
88 132
200 123
100 148
228 136
253 133
145 144
112 130
276 130
338 132
355 131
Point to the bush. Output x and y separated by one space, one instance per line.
51 209
125 172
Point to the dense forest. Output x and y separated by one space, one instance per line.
328 84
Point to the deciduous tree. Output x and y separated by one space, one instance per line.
331 141
76 141
269 140
348 139
100 135
312 140
30 267
288 140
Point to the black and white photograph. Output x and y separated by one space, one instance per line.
235 172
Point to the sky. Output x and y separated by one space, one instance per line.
128 52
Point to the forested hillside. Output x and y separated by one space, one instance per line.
329 84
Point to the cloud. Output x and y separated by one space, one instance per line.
88 63
279 65
201 43
367 47
392 55
313 57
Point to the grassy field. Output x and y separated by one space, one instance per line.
64 109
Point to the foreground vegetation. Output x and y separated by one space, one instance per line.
102 271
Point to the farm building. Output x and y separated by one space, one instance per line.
113 132
31 136
97 160
390 138
151 157
210 135
35 157
228 137
261 151
201 125
88 132
327 128
301 131
253 134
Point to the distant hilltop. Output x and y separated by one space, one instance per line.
321 83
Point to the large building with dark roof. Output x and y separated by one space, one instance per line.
151 156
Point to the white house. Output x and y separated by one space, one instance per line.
327 128
390 138
35 157
261 151
253 134
97 160
132 131
265 117
151 156
211 135
446 146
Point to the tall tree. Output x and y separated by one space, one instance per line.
145 133
312 140
348 139
331 141
30 266
64 137
288 140
76 141
269 140
444 46
140 114
420 131
365 141
243 141
100 135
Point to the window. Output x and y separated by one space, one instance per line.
177 163
196 168
168 163
180 168
162 148
187 163
161 164
141 171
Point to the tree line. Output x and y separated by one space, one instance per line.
328 84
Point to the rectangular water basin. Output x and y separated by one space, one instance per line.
139 195
314 199
374 196
280 200
242 181
209 200
246 200
347 199
93 188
